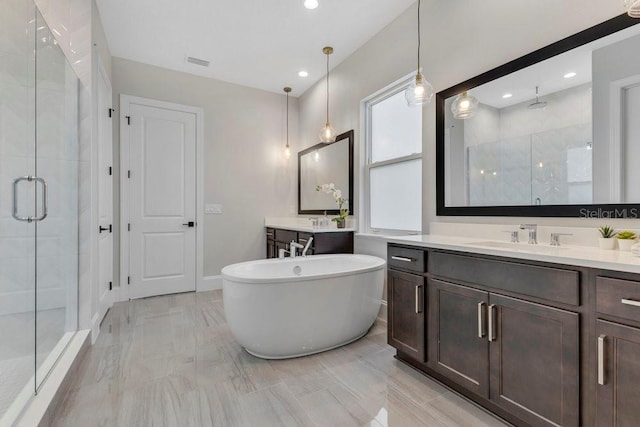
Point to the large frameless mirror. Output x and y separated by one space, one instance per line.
553 133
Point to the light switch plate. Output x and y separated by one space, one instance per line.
213 209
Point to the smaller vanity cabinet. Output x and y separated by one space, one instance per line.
334 242
618 352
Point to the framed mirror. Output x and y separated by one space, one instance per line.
324 164
554 133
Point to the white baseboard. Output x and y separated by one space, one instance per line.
24 301
210 283
382 314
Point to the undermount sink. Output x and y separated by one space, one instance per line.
518 247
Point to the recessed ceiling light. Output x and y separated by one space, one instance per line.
303 74
507 95
569 75
310 4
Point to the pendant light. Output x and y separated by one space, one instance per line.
464 106
327 133
633 8
420 91
287 149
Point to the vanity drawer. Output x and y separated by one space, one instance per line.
407 259
285 236
620 298
551 284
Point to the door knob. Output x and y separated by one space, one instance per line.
109 229
190 224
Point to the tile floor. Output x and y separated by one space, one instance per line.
172 361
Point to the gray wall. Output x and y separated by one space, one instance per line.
461 39
244 168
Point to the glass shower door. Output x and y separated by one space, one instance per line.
17 204
56 234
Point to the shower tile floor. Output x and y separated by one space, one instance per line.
172 361
17 349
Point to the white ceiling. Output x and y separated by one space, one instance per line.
257 43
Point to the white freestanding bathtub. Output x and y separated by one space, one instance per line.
282 308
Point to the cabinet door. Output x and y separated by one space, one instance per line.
458 344
534 362
618 387
405 298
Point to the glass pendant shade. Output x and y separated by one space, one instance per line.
419 91
328 134
287 152
464 106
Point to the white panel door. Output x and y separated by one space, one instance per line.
105 196
162 197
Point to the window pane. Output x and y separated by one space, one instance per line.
396 196
396 129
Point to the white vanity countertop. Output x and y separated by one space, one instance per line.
569 255
304 225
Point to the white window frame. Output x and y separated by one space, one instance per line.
365 154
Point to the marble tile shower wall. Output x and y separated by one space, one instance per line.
58 154
17 113
518 156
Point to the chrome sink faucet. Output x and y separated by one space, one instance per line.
533 232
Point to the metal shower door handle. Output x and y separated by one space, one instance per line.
45 199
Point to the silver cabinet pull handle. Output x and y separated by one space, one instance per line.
629 301
601 344
401 258
492 332
302 240
418 310
45 199
481 330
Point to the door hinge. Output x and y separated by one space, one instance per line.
128 120
128 280
129 227
111 110
129 174
110 286
110 171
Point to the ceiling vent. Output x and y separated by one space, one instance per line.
198 61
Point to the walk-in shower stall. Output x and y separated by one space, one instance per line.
39 154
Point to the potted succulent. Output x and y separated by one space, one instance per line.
626 239
341 219
607 240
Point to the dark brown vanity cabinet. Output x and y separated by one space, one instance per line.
503 332
340 242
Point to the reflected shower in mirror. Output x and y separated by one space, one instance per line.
559 131
323 164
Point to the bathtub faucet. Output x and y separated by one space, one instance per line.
293 248
307 246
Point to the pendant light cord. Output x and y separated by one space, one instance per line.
419 37
327 88
287 119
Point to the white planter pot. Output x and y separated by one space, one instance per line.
625 244
607 243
